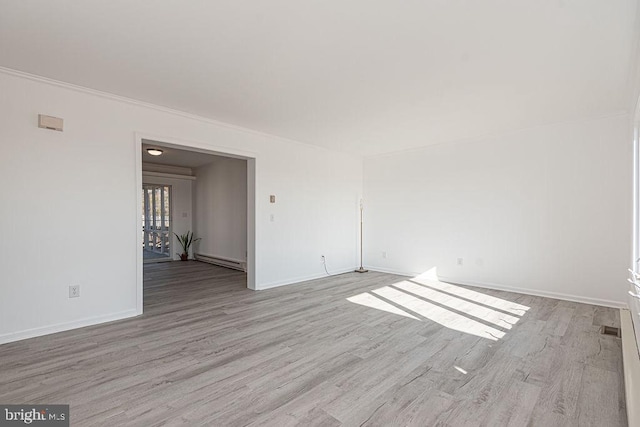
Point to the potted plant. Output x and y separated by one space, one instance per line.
186 240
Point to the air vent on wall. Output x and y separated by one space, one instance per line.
49 122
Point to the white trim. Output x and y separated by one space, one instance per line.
60 327
631 366
539 293
525 291
206 148
197 146
391 271
131 101
139 213
168 175
635 218
252 223
298 280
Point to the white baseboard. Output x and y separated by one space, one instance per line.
539 293
631 362
526 291
390 271
297 280
60 327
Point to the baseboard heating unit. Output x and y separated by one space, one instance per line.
222 262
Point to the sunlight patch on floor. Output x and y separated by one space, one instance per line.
438 314
498 318
430 278
369 300
459 369
424 298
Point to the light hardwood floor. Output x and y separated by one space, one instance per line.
371 349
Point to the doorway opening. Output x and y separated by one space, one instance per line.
195 188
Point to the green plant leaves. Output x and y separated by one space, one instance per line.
186 240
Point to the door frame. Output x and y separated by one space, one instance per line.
635 250
206 148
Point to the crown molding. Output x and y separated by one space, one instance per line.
163 109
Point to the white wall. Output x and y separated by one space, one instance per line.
634 302
220 203
70 214
181 207
544 211
634 131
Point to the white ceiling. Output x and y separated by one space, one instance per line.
364 76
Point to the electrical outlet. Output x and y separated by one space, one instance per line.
384 254
460 260
74 291
322 260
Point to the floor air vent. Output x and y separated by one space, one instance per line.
610 330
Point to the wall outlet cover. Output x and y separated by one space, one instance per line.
74 291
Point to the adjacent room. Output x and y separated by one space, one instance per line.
320 213
194 206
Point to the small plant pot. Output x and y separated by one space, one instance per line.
184 257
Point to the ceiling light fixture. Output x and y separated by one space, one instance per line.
154 151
